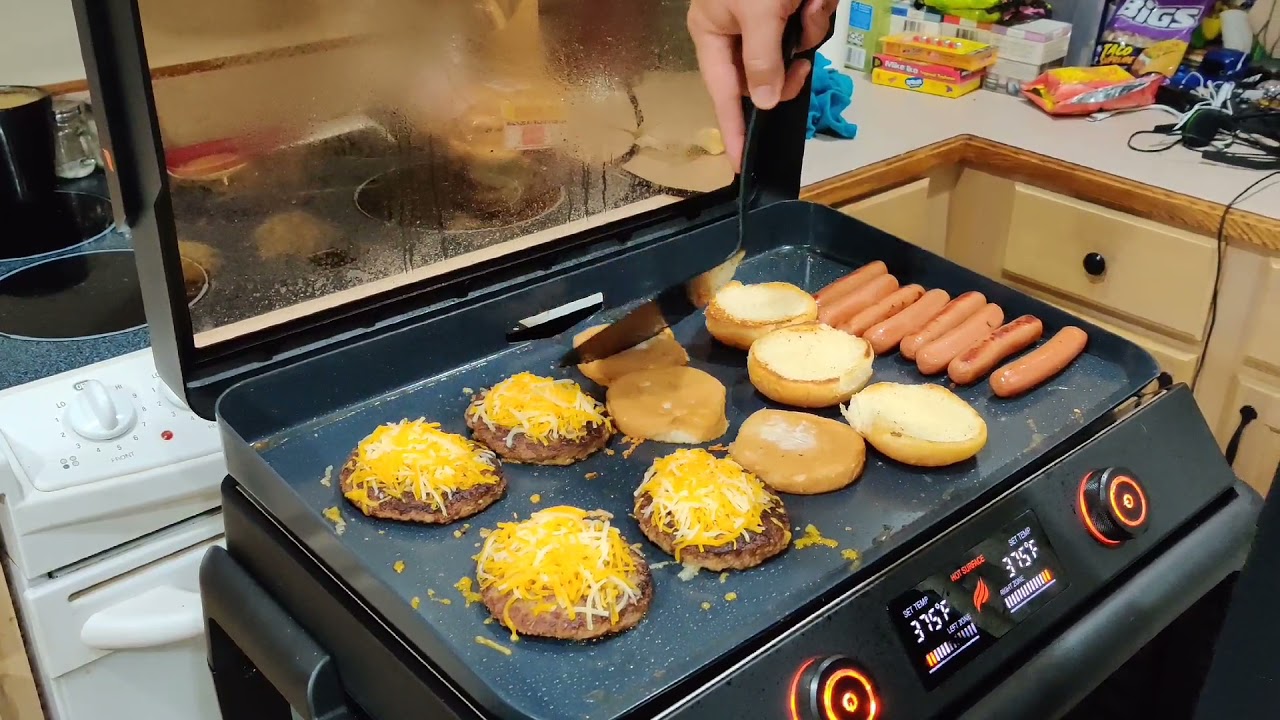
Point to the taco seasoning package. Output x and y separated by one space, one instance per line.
1084 91
1149 36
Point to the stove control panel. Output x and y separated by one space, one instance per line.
107 420
959 615
1113 505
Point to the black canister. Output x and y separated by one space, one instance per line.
27 179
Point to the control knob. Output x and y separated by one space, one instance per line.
833 688
1113 505
100 413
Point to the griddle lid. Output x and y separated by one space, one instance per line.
343 170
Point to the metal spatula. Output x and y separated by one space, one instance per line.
673 304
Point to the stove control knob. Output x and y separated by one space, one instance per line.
100 413
1113 505
833 688
170 396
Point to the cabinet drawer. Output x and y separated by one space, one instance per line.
1263 343
1153 274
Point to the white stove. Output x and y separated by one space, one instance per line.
110 491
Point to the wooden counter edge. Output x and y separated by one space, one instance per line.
1169 208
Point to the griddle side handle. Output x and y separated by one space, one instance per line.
263 663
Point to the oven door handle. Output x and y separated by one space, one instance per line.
160 616
248 632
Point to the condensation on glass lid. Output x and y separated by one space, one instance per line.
424 195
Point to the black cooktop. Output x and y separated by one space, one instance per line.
69 219
83 295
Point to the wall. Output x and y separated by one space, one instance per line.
38 43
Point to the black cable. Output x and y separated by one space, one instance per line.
1217 271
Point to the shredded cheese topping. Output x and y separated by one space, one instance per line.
417 459
562 557
540 408
704 501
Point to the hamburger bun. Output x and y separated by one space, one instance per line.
539 420
662 350
528 570
414 472
709 512
922 425
741 314
704 287
811 365
799 453
673 405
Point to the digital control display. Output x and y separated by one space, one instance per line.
952 616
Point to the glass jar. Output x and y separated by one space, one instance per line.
75 151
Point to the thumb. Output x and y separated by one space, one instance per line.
762 25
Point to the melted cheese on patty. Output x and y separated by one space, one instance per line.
561 558
541 408
704 501
416 459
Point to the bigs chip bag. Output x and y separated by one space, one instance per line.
1149 36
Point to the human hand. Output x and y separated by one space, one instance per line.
739 47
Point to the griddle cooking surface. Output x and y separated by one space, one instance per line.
886 509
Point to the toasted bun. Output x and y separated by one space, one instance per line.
741 314
795 452
922 425
811 365
704 287
660 351
673 405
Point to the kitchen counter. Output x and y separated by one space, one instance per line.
902 136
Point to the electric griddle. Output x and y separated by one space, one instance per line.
1007 586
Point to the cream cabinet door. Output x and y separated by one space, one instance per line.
908 212
1258 455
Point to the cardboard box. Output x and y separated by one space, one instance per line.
929 86
1007 76
924 69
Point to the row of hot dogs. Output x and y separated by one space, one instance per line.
965 336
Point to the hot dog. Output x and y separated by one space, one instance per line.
886 335
1040 364
934 357
956 312
894 303
851 282
845 307
976 362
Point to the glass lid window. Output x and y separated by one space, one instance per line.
320 150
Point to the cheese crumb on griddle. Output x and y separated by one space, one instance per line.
398 567
415 603
493 645
327 479
468 595
730 596
812 537
334 515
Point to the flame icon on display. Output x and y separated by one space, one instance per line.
980 595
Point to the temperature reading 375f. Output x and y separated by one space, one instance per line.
1023 555
932 620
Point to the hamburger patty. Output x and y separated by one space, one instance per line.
457 506
556 623
735 556
528 451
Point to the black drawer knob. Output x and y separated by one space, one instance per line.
1095 264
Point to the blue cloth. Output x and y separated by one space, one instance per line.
832 92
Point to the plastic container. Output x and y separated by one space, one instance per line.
951 52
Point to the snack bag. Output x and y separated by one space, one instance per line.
1149 36
1084 91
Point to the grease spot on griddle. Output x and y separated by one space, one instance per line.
883 537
